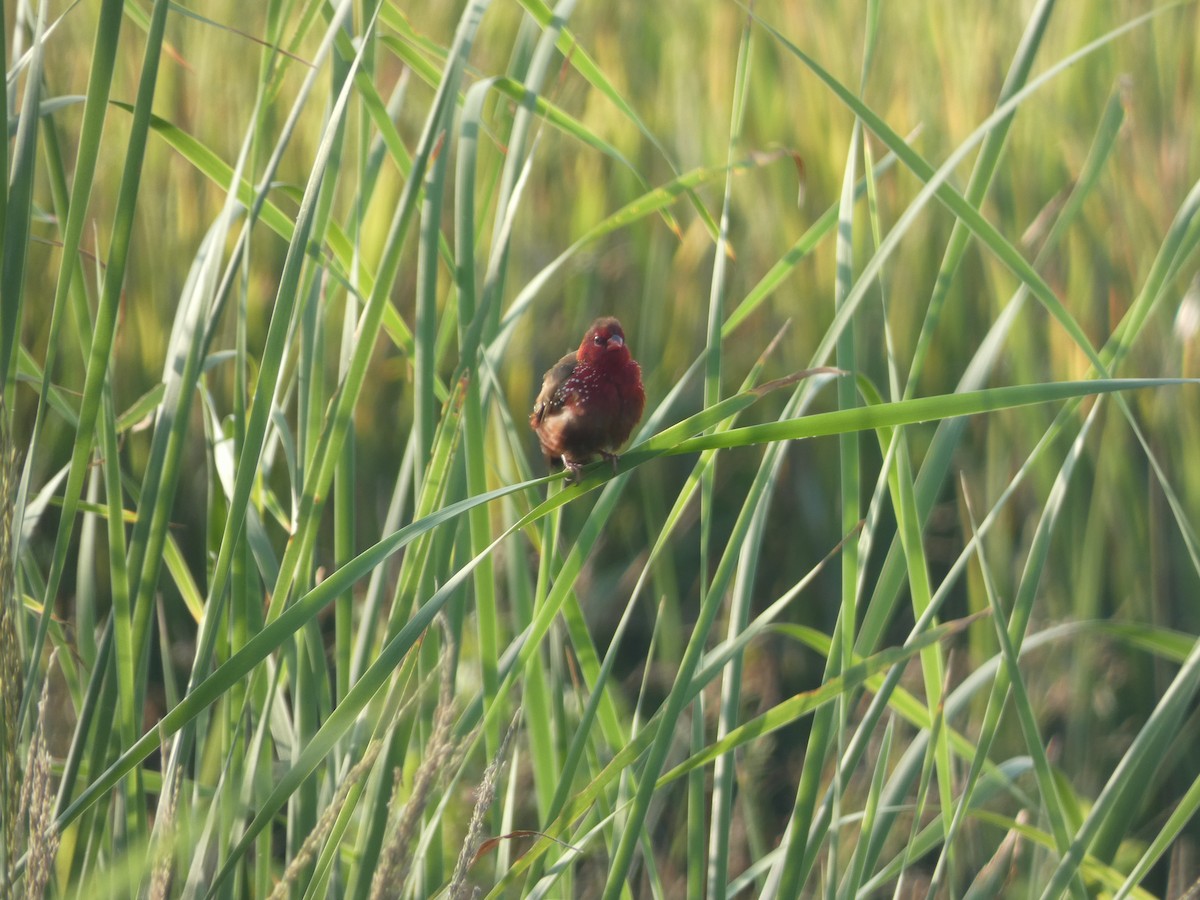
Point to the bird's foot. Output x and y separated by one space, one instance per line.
574 470
612 458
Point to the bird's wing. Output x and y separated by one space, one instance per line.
547 402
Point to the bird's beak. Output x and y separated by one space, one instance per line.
616 341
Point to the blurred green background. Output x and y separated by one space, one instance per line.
936 73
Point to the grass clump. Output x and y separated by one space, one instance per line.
916 454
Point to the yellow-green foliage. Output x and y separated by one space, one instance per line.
303 442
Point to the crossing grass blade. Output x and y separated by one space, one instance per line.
274 307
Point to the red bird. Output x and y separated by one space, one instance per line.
590 400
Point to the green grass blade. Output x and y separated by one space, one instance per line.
106 320
18 208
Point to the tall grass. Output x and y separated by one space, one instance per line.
279 285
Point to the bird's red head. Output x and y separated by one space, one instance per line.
604 343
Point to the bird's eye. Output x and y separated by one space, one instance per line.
598 341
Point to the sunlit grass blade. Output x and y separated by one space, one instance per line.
905 412
357 238
982 175
105 325
936 465
1033 740
854 675
86 153
936 184
708 876
18 209
796 707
